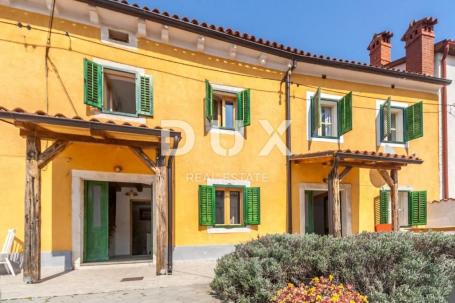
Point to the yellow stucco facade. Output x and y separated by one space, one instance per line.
178 88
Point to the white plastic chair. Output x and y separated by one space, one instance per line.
6 251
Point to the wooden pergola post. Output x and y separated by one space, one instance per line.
334 199
160 171
161 216
392 182
32 209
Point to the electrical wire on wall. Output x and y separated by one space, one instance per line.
46 54
49 46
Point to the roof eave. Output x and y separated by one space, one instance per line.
177 23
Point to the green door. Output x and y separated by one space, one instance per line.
96 227
309 212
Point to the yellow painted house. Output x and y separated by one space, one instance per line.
92 90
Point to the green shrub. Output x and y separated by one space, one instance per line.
387 267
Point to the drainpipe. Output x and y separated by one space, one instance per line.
287 81
170 208
445 158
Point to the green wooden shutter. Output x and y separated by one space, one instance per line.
206 205
93 84
413 205
316 111
252 206
309 212
422 207
345 114
239 116
386 114
414 121
384 207
246 107
144 95
208 101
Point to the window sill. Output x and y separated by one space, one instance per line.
394 144
228 230
228 131
327 139
118 116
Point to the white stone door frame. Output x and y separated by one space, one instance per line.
346 204
77 203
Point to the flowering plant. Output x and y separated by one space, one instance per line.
319 290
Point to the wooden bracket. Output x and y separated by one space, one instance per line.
345 171
145 159
52 151
385 175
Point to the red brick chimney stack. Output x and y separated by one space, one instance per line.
380 49
419 39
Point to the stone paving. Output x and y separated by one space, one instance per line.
103 283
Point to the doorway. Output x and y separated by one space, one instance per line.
315 211
117 221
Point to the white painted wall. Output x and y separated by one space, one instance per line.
122 236
450 120
441 214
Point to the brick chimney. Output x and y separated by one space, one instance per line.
419 39
380 49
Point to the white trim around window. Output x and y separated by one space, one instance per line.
132 44
228 230
309 95
378 124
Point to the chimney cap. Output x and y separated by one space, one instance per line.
385 36
427 22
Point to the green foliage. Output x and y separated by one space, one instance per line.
387 267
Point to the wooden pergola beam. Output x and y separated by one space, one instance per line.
48 135
145 159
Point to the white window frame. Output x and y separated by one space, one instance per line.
228 230
379 142
132 44
231 90
310 137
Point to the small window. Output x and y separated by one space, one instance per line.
224 110
228 206
396 126
119 91
411 208
118 36
329 120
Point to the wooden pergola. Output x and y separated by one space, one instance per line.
386 164
38 126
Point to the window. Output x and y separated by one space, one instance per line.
400 124
396 133
226 107
412 208
228 202
330 118
224 110
221 205
117 91
118 36
328 128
